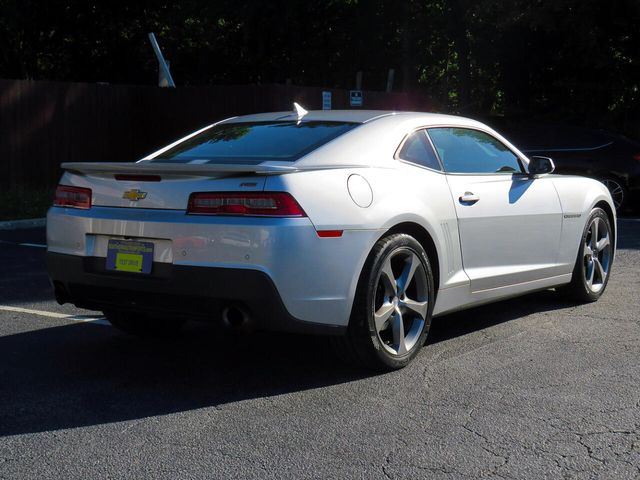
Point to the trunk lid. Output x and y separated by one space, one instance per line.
162 186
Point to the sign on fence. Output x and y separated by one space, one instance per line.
355 98
326 100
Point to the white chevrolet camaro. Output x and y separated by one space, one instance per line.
358 224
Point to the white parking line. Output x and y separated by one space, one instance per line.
37 245
95 319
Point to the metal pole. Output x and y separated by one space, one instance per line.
161 61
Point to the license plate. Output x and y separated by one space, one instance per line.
129 256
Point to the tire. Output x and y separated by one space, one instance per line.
595 257
618 190
402 309
141 325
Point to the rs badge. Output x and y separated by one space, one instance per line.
134 195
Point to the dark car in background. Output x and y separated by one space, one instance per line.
609 157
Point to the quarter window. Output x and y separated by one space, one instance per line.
417 149
463 150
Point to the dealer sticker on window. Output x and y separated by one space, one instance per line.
129 256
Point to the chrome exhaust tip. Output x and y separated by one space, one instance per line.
235 317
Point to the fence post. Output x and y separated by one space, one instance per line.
390 77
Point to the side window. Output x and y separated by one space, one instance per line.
470 151
417 149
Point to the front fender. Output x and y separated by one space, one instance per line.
578 196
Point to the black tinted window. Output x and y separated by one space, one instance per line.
417 149
254 143
471 151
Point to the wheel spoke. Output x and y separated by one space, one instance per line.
408 271
419 308
389 279
599 269
603 242
382 316
594 232
597 251
397 327
590 271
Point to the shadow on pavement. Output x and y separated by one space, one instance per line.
80 375
467 321
23 278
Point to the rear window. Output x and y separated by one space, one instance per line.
253 143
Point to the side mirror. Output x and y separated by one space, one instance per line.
541 165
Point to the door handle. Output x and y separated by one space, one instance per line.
469 198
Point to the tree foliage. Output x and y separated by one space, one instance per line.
575 58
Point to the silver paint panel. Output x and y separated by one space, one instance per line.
512 233
314 276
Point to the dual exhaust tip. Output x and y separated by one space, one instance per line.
236 317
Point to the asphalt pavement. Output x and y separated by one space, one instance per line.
534 387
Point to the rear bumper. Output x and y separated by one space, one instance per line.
315 277
185 291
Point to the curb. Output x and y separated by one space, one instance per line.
18 224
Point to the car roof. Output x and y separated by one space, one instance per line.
356 116
374 143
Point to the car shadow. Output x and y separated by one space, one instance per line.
86 374
475 319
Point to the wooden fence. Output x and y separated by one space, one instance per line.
43 124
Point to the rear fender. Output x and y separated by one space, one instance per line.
406 194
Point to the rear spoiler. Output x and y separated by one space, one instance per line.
159 168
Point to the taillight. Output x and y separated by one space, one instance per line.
263 204
75 197
637 157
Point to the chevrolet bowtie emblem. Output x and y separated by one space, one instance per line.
134 195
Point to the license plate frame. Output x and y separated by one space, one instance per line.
129 256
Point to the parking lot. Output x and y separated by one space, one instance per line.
530 388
